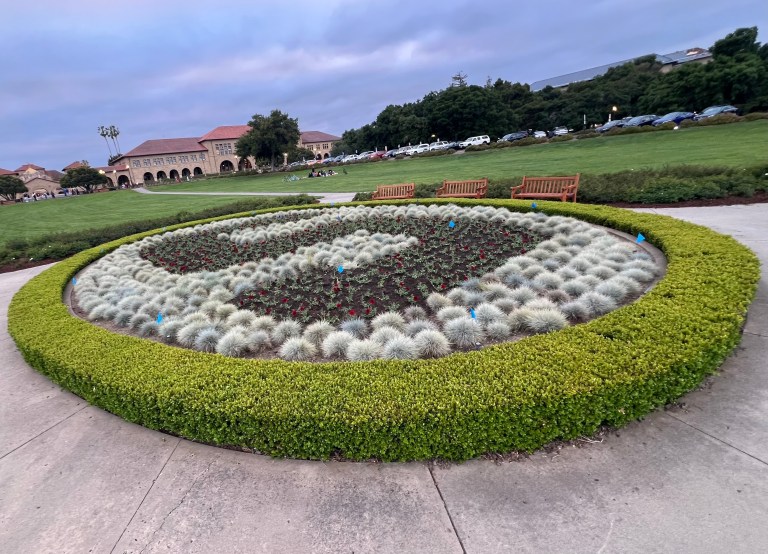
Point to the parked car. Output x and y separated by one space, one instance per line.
438 145
641 120
539 134
418 149
475 141
514 136
377 155
615 124
673 117
559 131
715 110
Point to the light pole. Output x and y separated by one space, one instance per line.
614 111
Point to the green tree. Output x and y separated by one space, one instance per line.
85 177
269 137
10 186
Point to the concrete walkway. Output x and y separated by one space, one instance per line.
323 196
74 478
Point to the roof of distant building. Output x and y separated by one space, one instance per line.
73 165
166 146
678 57
317 136
53 174
225 132
683 56
25 167
6 172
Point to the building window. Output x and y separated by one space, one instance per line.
147 162
157 161
202 156
224 149
194 157
184 158
136 163
170 160
325 146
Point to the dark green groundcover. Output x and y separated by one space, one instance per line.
511 396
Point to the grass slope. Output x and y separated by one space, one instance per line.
734 145
93 211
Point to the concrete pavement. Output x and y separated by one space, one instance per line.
693 478
325 197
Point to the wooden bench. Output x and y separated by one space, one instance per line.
560 188
463 189
388 192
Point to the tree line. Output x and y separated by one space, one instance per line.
737 75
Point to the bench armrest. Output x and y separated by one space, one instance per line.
518 189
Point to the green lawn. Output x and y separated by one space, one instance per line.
91 211
735 145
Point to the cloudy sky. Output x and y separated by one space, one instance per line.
170 68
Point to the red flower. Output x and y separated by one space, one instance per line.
285 300
351 312
443 286
338 305
293 313
372 301
262 293
367 311
415 297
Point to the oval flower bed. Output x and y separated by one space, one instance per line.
340 284
506 396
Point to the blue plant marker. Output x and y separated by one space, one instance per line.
74 281
333 203
640 238
338 217
451 224
340 269
534 206
159 317
472 313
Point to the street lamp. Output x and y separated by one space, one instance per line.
614 110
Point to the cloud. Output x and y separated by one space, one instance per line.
173 68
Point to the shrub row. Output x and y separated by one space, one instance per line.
57 246
511 396
646 186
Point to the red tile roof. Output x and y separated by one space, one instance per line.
225 132
28 166
111 168
6 172
317 136
166 146
73 165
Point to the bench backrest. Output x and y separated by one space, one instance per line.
464 187
549 184
389 191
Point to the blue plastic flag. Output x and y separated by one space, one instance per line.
640 238
159 317
338 217
472 313
451 224
333 203
534 206
74 281
340 269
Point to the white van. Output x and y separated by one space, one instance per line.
475 141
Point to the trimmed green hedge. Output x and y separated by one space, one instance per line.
511 396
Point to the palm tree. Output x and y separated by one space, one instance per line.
104 132
113 132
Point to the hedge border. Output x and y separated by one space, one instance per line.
507 397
